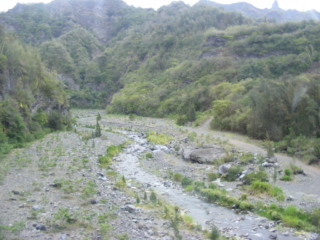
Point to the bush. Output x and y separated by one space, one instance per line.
275 215
177 177
55 121
212 176
246 158
286 178
149 155
246 206
212 195
212 186
261 187
233 173
186 181
259 176
198 186
214 234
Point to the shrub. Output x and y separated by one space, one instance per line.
315 218
189 188
246 205
212 195
261 187
286 178
177 177
212 186
149 155
287 172
246 158
259 176
158 138
233 173
55 120
153 197
212 176
186 181
214 234
275 215
198 186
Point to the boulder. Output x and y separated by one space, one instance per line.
130 208
267 164
223 169
272 160
185 153
206 155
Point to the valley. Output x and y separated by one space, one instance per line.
56 188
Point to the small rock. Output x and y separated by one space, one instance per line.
40 227
35 207
94 201
266 164
63 237
130 208
289 199
15 192
286 234
273 236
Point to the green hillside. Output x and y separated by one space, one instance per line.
32 100
259 79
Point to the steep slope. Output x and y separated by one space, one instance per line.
70 35
31 98
228 76
274 14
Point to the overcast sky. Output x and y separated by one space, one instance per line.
301 5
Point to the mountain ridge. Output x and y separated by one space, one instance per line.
275 13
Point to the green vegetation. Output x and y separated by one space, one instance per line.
28 90
251 177
287 175
291 216
158 138
112 151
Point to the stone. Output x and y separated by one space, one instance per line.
289 199
130 208
40 227
15 192
35 207
207 155
94 201
267 164
63 237
223 169
166 184
185 153
272 160
273 236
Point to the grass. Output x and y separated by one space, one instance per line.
158 138
112 151
287 175
291 216
258 187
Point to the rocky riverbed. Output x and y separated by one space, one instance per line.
55 189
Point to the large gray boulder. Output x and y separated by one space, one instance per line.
185 152
207 155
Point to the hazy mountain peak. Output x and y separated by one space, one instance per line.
275 5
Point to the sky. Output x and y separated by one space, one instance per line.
301 5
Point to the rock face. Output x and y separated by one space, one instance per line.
205 155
